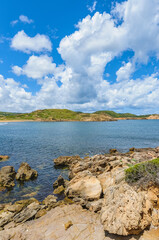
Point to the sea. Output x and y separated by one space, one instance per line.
38 143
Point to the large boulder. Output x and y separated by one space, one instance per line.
25 172
85 186
126 211
7 175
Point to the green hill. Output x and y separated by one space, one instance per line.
67 115
8 114
121 115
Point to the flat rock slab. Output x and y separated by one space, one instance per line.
84 226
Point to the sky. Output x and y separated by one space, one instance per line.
83 55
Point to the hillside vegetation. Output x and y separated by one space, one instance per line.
121 115
68 115
56 115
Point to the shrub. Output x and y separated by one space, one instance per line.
143 173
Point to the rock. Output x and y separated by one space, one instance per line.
14 208
3 158
59 182
67 200
113 151
40 213
95 206
18 210
131 149
59 190
50 202
25 172
32 194
68 225
66 160
86 226
7 175
125 211
26 202
2 206
152 234
84 185
5 218
10 225
28 213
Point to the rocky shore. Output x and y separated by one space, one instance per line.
108 197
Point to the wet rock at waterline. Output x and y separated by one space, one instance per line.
25 172
3 158
66 160
7 175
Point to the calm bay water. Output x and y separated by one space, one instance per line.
38 143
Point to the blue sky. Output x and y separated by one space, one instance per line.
79 54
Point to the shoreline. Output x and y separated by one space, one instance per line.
97 187
115 120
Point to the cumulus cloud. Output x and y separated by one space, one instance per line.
13 96
125 72
132 25
22 42
36 67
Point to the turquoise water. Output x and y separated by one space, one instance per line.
38 143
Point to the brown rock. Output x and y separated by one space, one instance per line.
68 225
59 190
124 210
113 151
59 182
84 185
7 175
3 158
66 160
132 149
86 226
40 213
50 202
28 213
25 172
152 234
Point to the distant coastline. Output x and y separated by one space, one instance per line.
65 115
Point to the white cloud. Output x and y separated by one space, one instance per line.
22 18
13 96
133 26
22 42
93 7
141 25
25 19
125 72
14 22
36 67
139 93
